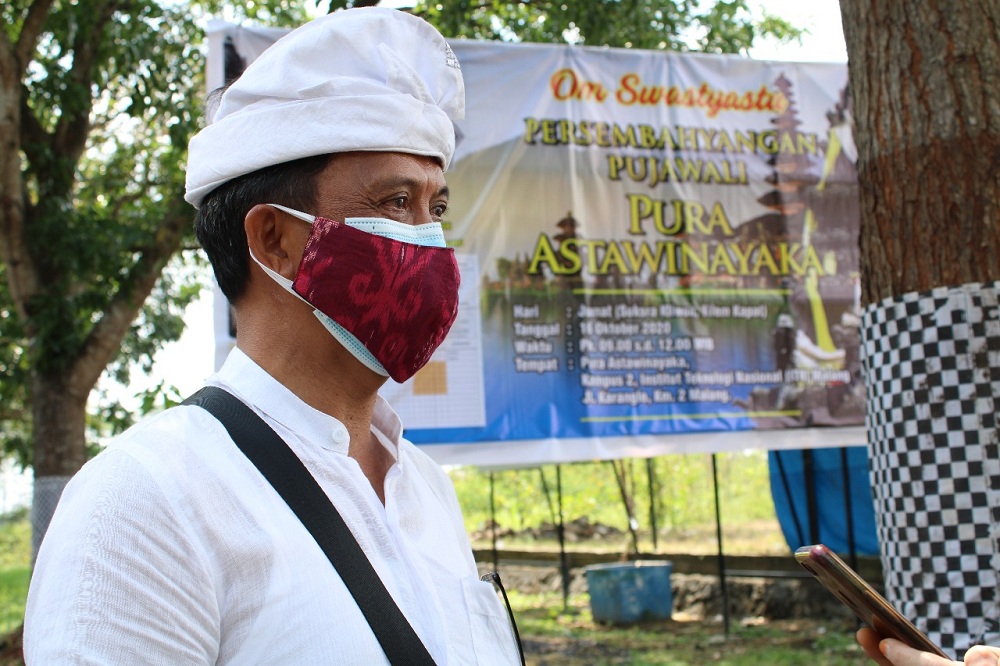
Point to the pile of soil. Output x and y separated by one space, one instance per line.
574 531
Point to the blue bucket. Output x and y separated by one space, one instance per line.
624 593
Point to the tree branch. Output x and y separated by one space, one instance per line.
30 30
31 131
15 215
22 277
101 345
73 128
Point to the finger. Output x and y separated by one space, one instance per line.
900 654
869 641
982 655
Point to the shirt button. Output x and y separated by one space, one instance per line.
340 436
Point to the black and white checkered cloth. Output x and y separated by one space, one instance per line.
932 367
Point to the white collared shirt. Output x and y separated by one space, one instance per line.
170 548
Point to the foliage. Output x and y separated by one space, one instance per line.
15 567
108 95
14 433
15 539
724 26
92 218
13 593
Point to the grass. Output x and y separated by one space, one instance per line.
554 635
13 592
15 568
15 539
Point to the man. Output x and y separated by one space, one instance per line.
320 187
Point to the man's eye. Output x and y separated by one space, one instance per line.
398 202
438 210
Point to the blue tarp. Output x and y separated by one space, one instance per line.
790 489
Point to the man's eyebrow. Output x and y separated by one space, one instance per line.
411 183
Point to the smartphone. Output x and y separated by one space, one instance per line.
862 598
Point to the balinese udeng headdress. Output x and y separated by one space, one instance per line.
368 79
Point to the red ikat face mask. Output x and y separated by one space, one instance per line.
398 298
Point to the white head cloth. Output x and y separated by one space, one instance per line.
370 79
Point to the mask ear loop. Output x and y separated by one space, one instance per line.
294 213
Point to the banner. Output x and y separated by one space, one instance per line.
659 253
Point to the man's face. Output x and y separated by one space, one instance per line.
405 188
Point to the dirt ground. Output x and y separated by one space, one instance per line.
789 617
697 642
10 649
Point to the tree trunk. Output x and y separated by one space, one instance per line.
925 83
59 420
925 80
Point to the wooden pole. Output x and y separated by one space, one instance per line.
563 564
651 481
493 524
722 557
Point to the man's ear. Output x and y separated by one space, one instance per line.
275 238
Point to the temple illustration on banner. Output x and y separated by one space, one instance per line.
820 327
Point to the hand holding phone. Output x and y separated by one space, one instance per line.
870 606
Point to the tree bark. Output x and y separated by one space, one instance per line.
925 81
59 418
58 423
13 249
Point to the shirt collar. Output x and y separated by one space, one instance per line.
267 394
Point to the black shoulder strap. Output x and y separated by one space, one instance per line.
282 468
